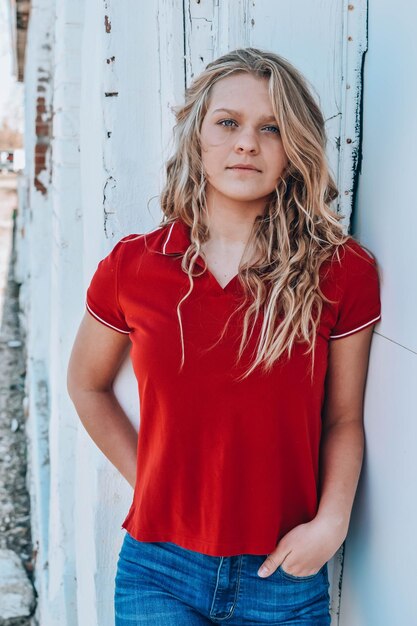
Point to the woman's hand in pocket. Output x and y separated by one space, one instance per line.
305 548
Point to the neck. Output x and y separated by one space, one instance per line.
231 224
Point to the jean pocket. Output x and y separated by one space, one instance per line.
293 577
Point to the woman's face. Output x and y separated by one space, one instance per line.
247 133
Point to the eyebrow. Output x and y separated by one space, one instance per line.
269 118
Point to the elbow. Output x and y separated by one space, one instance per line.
73 381
72 386
81 381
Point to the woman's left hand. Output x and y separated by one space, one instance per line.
306 548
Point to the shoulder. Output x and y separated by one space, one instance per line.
134 245
358 253
137 240
135 254
357 290
357 274
353 258
351 267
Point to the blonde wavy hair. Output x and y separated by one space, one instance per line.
298 230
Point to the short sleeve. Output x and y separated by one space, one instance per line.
360 304
102 298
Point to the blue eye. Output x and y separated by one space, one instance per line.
276 129
222 121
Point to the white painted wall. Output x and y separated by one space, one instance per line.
33 270
116 73
378 578
66 267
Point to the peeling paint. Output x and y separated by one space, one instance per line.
354 47
340 556
43 125
357 156
332 117
109 186
200 22
107 24
40 186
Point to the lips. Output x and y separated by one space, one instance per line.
243 167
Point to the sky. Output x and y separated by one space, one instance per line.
11 91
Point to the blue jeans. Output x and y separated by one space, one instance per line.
164 584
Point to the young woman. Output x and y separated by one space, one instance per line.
249 316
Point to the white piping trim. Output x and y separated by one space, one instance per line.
167 239
126 332
133 239
355 329
141 235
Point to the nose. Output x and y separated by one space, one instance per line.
247 142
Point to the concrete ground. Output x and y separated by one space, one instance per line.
14 499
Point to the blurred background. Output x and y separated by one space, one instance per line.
17 594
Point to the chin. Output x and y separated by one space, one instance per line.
244 197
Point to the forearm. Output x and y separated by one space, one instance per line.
110 428
341 456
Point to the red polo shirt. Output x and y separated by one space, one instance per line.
223 467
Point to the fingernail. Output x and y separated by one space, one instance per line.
263 571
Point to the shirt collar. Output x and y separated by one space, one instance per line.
177 239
